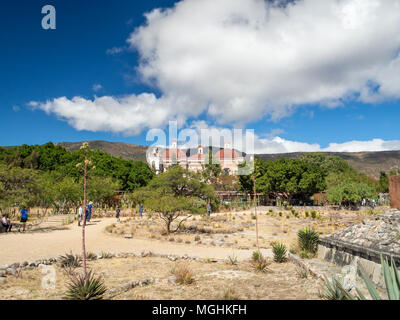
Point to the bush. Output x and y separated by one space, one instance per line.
232 260
183 274
307 214
229 294
313 214
280 214
70 261
85 288
279 250
91 256
308 240
306 255
255 256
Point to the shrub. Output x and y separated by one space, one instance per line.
334 290
261 265
302 272
106 255
85 288
229 294
255 256
70 261
280 214
308 240
313 214
306 254
232 260
91 256
183 274
279 250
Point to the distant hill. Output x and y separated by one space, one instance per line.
117 149
371 163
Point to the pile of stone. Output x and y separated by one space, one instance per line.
381 233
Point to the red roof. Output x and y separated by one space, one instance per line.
228 153
170 153
199 156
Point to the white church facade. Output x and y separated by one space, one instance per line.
160 159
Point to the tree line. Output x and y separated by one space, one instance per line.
48 176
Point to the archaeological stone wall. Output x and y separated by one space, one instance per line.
394 191
362 245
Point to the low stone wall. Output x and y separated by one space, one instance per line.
362 245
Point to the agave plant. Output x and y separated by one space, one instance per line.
85 288
70 261
279 250
308 240
392 282
333 290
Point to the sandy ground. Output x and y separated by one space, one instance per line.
45 244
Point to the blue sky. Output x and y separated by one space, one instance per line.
75 60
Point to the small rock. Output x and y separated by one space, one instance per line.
179 240
3 273
15 265
187 242
24 264
12 271
171 239
128 236
172 258
2 280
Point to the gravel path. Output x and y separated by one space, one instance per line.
31 246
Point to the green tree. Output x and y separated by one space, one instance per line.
174 193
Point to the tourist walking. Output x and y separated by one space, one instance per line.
24 218
80 215
117 215
141 210
6 223
90 206
208 209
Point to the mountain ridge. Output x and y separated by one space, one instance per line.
371 162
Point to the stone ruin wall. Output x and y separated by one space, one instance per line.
394 191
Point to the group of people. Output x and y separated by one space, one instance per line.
118 212
6 221
88 213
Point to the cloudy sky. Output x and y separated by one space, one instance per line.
310 75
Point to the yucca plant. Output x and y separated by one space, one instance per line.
333 290
392 282
70 261
260 264
106 255
255 256
86 287
232 260
279 250
308 240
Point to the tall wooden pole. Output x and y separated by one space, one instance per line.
255 210
84 217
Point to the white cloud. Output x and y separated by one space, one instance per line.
275 144
97 87
114 51
241 60
238 61
128 115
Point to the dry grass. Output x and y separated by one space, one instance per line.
281 283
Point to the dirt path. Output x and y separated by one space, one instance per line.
31 246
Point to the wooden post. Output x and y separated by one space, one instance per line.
255 211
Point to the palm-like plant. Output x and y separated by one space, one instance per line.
85 287
308 240
70 261
279 250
